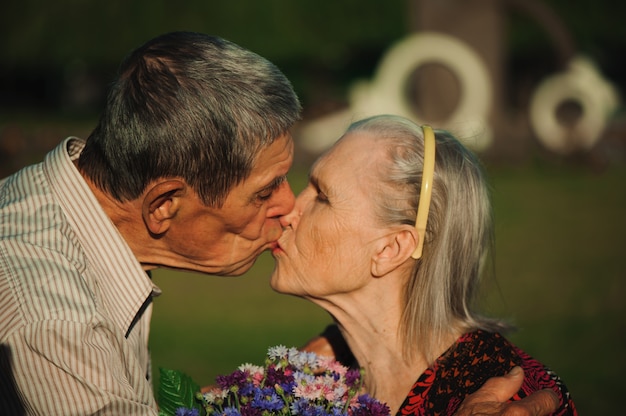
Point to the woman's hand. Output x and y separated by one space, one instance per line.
491 399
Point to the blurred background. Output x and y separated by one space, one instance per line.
536 87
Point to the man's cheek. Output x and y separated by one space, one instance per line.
275 231
260 227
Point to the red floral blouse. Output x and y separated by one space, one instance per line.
464 367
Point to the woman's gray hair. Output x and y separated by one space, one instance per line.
440 294
188 105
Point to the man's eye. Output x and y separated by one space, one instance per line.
265 195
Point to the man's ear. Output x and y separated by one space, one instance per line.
161 203
393 249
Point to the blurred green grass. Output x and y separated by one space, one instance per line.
560 277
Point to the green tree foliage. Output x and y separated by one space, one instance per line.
322 45
39 31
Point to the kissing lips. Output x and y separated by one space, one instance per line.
276 248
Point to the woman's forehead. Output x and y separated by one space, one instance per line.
356 155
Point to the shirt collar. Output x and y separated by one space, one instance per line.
125 286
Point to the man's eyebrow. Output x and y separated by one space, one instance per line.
274 184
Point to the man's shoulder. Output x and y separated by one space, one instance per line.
43 271
35 231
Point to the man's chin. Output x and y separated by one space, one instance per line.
241 260
239 270
244 265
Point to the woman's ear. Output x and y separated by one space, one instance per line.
393 249
161 204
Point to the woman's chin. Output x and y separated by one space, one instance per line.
282 285
277 284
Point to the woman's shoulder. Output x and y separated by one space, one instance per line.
461 370
473 359
482 355
538 376
481 341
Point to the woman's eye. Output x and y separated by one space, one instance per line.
321 197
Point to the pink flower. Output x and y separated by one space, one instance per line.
329 364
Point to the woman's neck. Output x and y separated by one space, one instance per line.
388 375
372 331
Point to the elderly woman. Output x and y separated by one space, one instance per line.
389 237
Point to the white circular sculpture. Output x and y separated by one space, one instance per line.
387 92
581 83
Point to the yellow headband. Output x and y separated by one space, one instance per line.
426 189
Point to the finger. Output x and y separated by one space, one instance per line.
499 389
540 403
490 398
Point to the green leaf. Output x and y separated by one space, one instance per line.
177 389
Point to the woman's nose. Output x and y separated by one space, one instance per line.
292 218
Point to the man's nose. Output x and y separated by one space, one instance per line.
283 201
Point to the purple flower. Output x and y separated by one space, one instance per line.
250 411
368 406
236 378
182 411
352 377
337 411
303 407
267 399
230 411
278 376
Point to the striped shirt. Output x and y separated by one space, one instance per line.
75 304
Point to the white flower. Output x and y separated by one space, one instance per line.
302 359
278 352
251 368
302 378
214 394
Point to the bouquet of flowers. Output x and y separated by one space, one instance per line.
291 382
